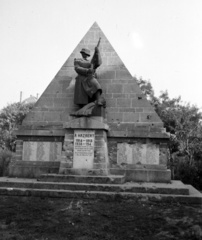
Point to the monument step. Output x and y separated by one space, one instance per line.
176 187
195 197
101 171
110 179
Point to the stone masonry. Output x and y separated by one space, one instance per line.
135 131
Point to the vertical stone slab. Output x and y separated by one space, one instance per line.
152 155
29 151
137 153
42 151
83 149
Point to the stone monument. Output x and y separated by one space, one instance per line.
126 138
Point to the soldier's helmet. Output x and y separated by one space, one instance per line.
86 51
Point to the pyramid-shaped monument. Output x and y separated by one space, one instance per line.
133 132
126 106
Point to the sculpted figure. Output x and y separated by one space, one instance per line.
87 93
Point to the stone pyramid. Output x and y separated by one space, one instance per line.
127 108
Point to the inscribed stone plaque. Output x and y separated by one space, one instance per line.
42 151
137 153
83 148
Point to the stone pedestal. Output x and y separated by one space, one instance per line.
85 149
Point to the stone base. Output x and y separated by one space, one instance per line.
175 191
83 171
110 179
32 169
144 175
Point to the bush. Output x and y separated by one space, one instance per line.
5 158
188 173
10 118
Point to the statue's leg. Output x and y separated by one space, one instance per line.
98 97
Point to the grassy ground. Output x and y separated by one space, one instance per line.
57 219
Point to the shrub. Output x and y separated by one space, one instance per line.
5 158
188 173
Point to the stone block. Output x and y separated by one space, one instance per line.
99 137
148 109
90 35
86 123
106 47
139 109
149 117
122 81
69 136
19 147
114 117
120 95
131 88
52 116
110 103
61 102
140 103
36 116
99 133
148 175
126 109
67 153
68 146
100 166
114 61
131 117
28 169
110 74
115 88
18 152
123 74
99 143
123 102
112 109
19 142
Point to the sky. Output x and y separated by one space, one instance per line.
158 40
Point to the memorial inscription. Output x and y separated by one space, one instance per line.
83 148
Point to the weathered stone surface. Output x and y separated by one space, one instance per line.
83 178
85 123
32 169
119 88
137 153
87 149
41 151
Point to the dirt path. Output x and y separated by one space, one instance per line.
57 219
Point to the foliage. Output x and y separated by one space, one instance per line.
5 158
146 88
184 123
10 117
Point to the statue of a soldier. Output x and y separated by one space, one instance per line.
87 93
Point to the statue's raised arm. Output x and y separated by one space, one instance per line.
96 60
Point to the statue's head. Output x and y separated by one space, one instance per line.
85 51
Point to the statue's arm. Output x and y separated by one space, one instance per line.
80 70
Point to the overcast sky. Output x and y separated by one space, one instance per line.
160 40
